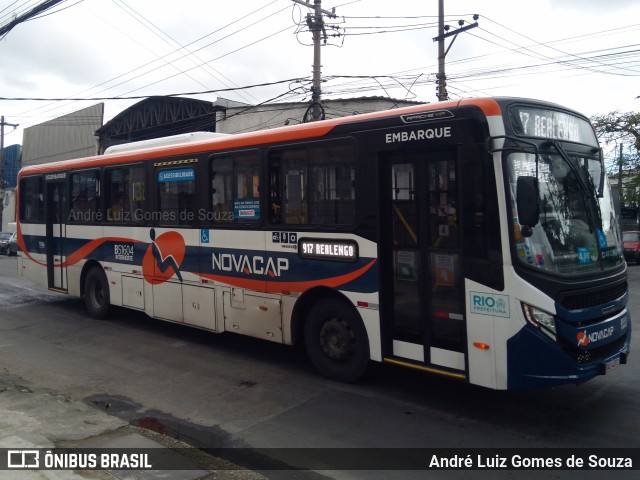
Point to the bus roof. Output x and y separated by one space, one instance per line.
489 107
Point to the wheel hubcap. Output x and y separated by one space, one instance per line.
98 295
337 339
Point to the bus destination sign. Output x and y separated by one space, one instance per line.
538 122
328 249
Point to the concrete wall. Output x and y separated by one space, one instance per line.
63 138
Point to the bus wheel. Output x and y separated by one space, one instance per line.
336 341
96 293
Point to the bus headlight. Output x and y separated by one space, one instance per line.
539 318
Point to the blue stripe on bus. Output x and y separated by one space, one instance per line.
232 263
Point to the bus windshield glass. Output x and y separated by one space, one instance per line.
577 232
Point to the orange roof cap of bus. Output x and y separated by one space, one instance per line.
283 134
488 105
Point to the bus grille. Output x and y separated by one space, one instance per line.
596 354
592 298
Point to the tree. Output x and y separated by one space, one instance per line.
617 128
613 130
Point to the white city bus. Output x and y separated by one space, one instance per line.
474 239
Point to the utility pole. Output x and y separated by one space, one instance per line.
42 7
2 124
620 178
443 32
316 25
442 78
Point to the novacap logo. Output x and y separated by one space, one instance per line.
163 257
583 339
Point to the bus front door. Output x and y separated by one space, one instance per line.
423 296
56 232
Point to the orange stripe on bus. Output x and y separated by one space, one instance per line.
262 137
79 254
279 287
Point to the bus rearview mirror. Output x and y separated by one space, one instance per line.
528 202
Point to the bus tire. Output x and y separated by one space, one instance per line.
336 341
96 293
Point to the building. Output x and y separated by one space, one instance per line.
161 117
248 118
63 138
11 157
627 203
165 116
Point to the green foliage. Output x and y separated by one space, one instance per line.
615 129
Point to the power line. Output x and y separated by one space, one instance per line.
137 97
177 50
38 9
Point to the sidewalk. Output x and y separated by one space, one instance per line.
37 418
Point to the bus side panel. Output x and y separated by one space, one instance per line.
73 279
32 264
480 332
288 303
371 320
77 238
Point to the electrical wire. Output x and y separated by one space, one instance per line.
137 97
239 19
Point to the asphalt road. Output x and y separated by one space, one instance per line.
228 391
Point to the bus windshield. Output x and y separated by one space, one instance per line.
578 232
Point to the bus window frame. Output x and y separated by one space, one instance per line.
106 188
158 165
21 192
99 212
350 141
208 197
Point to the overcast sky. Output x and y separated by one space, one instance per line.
584 54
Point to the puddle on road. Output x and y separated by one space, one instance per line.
212 440
197 436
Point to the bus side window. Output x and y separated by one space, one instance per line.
235 188
31 199
176 195
125 193
295 195
115 194
246 200
313 186
275 200
84 197
287 187
481 221
221 190
331 185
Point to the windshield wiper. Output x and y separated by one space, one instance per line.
583 186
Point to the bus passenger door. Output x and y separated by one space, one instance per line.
422 287
56 232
